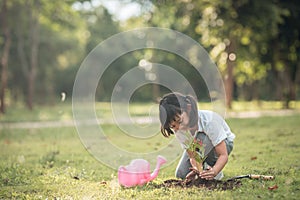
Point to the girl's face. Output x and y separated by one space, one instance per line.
181 122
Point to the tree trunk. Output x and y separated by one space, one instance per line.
278 74
33 61
293 80
290 73
29 66
5 55
230 49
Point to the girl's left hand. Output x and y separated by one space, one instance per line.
208 174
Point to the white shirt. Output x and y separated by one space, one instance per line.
214 126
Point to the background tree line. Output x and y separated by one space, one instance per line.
254 43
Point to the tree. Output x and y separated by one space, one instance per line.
5 54
228 30
99 27
286 48
28 38
235 30
47 37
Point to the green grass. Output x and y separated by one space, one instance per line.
262 105
52 163
63 110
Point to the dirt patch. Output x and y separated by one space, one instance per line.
201 183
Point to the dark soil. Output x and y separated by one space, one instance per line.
202 183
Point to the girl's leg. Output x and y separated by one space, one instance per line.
183 167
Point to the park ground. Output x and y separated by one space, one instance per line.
50 162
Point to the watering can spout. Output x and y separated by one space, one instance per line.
160 161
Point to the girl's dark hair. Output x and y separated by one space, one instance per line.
172 105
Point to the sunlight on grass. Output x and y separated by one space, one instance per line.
134 144
63 110
261 105
52 163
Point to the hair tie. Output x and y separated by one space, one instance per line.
163 101
187 99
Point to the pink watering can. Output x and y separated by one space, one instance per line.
138 172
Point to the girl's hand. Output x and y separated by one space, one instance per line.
208 174
193 163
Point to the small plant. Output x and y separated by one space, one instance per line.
195 149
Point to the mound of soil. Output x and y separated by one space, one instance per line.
202 183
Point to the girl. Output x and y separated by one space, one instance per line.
179 113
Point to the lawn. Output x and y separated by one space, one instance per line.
52 163
63 110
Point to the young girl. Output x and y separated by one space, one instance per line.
179 113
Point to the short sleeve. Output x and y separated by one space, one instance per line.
214 127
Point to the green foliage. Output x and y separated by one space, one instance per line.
100 26
239 28
265 35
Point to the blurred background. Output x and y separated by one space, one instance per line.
254 43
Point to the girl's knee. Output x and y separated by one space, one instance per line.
180 174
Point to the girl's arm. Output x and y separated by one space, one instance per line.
211 172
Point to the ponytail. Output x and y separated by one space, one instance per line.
194 110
